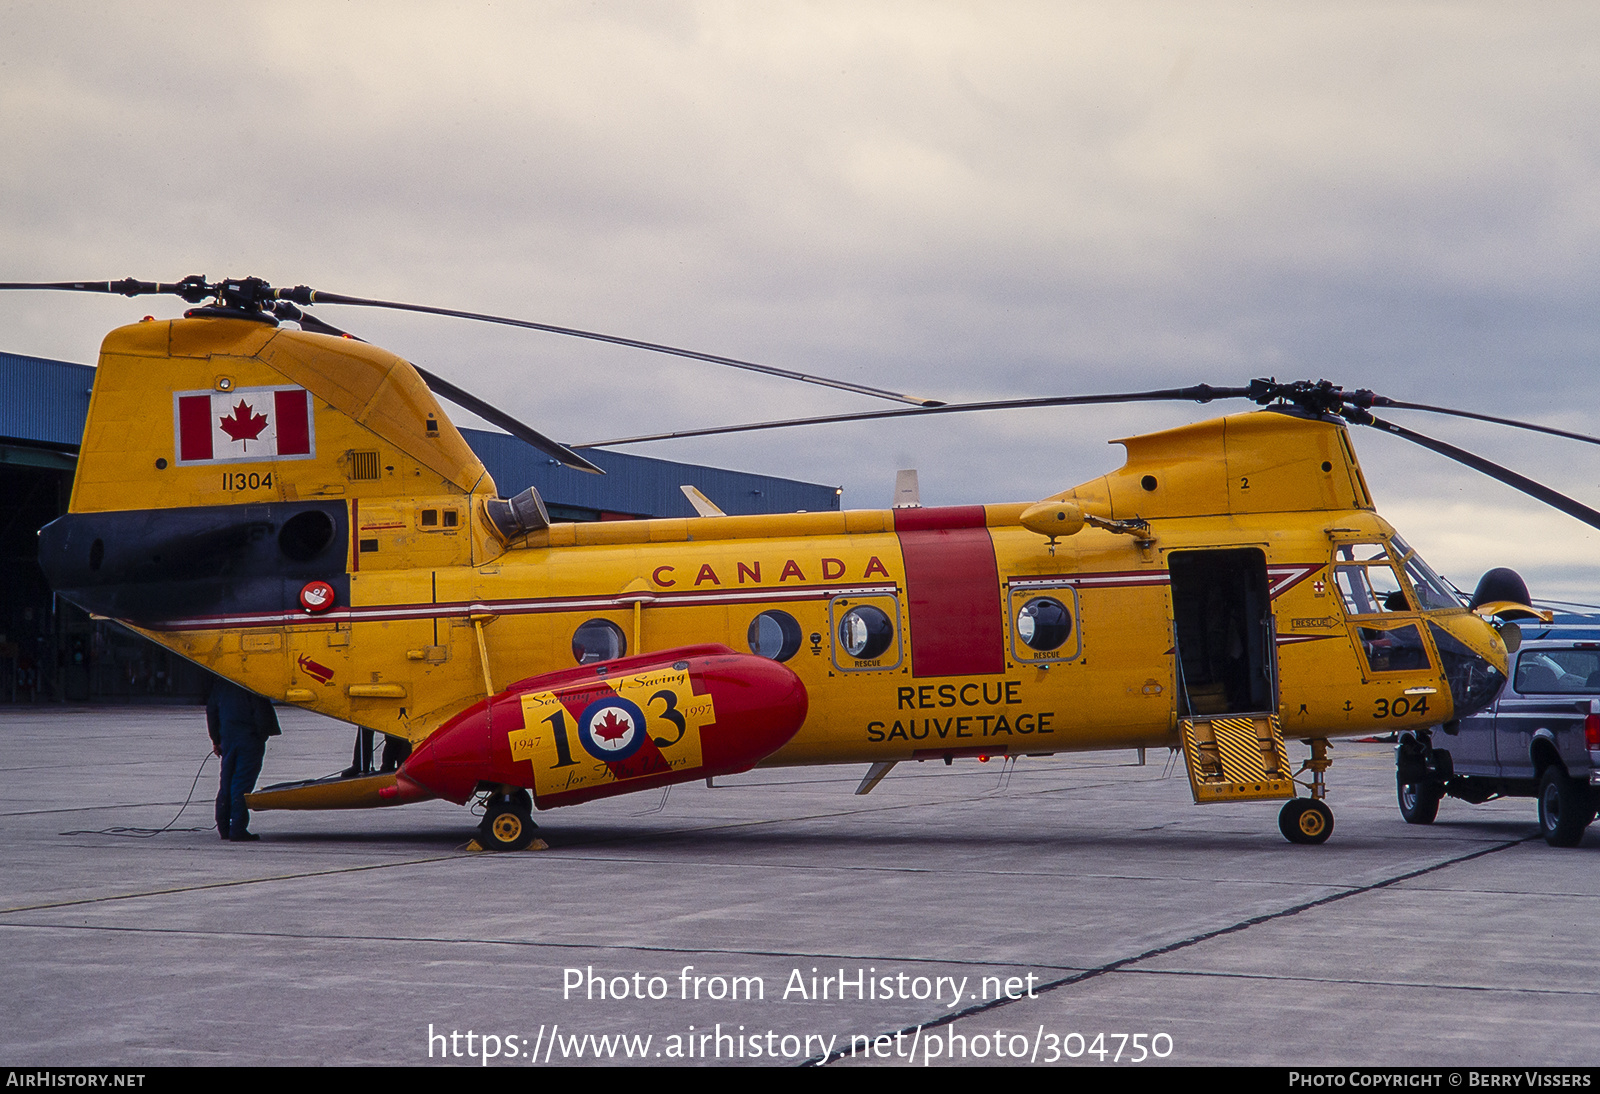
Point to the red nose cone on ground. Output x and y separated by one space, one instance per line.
451 762
760 704
754 707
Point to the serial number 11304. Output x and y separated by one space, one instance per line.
241 480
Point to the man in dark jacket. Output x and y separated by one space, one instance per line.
240 723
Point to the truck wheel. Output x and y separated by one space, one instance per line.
1564 808
1419 802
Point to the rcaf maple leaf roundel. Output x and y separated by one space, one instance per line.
611 729
247 425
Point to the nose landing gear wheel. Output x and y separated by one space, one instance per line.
1305 820
507 824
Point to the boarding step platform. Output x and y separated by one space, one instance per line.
335 792
1236 758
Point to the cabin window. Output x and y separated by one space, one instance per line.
865 638
865 632
774 635
450 518
598 640
1044 624
430 518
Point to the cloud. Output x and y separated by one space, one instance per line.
963 201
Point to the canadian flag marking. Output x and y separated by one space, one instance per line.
246 425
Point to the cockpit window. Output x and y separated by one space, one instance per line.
1367 580
1372 589
1360 552
1433 591
1397 650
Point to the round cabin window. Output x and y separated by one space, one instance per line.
774 635
598 640
1044 624
865 632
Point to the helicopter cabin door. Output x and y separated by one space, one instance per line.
1225 665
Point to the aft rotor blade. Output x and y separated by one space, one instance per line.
444 388
302 295
1386 402
193 288
1202 393
1500 474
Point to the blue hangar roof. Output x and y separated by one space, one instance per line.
44 403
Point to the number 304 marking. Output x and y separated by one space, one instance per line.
1399 708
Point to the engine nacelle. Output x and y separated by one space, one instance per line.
598 730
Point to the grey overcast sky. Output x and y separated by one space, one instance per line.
965 200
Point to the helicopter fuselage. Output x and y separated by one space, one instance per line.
349 566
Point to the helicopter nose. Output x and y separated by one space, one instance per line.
1474 658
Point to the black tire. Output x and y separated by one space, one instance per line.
506 828
1419 802
1305 820
1564 808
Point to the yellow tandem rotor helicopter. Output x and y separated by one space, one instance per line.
293 510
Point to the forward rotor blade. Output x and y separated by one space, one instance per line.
1500 474
1202 393
1385 402
555 450
302 295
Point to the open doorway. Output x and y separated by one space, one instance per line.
1222 619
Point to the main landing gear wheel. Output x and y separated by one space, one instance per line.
1305 820
1564 809
1419 802
508 822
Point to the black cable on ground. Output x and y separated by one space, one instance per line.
146 833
